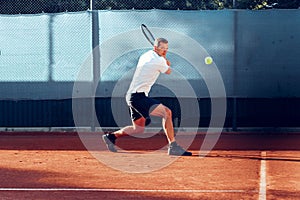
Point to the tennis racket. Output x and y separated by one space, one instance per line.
147 33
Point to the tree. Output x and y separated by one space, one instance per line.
52 6
267 4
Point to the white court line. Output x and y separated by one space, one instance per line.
115 190
263 179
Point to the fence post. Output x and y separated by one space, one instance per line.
96 62
235 41
50 49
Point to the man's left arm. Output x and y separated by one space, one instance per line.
169 69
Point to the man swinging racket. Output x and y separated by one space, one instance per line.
149 66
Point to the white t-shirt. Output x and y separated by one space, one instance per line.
149 67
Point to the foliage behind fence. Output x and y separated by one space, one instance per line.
54 6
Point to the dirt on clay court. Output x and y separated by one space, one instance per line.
49 165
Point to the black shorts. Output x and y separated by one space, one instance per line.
141 106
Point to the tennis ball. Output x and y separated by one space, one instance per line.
208 60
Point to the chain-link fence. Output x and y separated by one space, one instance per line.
42 55
55 6
42 6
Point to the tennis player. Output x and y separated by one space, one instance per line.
149 66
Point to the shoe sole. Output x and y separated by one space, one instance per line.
184 154
180 155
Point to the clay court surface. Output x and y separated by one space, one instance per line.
58 166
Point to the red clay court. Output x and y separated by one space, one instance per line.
56 165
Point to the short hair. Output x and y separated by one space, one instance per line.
160 40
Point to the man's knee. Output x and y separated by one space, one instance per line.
168 113
162 111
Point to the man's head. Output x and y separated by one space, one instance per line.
161 46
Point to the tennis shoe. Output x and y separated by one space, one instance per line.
110 140
176 150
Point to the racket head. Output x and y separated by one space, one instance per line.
148 35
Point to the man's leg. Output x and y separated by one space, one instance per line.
166 114
138 126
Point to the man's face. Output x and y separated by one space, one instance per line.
161 49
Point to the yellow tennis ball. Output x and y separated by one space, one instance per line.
208 60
